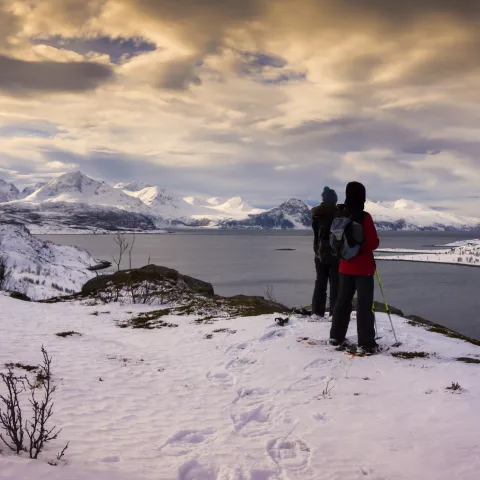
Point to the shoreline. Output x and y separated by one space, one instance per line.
455 264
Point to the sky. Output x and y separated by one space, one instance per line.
263 99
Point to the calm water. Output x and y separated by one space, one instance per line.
247 262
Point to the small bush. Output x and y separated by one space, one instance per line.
410 355
21 366
468 360
454 387
67 334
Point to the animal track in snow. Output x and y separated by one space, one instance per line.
184 441
291 455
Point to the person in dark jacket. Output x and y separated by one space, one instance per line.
357 275
326 264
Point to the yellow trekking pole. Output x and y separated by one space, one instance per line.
397 343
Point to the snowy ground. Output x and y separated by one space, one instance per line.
42 269
460 253
250 403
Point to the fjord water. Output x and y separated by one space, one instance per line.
247 262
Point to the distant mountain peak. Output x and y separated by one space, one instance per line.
8 191
132 186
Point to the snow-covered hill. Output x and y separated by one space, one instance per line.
243 399
97 206
42 269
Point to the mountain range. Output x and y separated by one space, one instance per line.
76 203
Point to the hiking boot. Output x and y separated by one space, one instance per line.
334 342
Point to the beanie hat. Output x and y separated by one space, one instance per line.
355 194
329 196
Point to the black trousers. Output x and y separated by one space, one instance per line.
364 286
326 272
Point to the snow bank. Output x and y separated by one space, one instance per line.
43 269
468 253
244 399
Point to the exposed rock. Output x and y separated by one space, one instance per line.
149 273
20 296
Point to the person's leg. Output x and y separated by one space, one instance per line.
320 292
343 308
365 316
333 276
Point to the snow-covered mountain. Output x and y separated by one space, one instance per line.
292 214
78 188
408 215
8 191
30 189
75 201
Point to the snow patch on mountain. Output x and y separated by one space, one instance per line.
132 186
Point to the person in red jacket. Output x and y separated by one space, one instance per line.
357 275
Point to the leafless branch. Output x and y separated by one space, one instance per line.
11 422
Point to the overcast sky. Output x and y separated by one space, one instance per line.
264 99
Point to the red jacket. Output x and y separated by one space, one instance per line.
363 264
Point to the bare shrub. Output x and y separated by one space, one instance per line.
37 428
270 294
11 422
123 245
132 244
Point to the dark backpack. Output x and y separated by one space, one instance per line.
324 250
346 237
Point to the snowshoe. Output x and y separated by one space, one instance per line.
311 341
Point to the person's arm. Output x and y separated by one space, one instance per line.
370 232
315 233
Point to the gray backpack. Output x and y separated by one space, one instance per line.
346 237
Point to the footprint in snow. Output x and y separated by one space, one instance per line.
222 379
237 348
184 441
253 421
291 455
253 395
318 363
240 363
272 334
192 470
322 417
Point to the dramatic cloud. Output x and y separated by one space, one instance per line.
18 76
258 98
